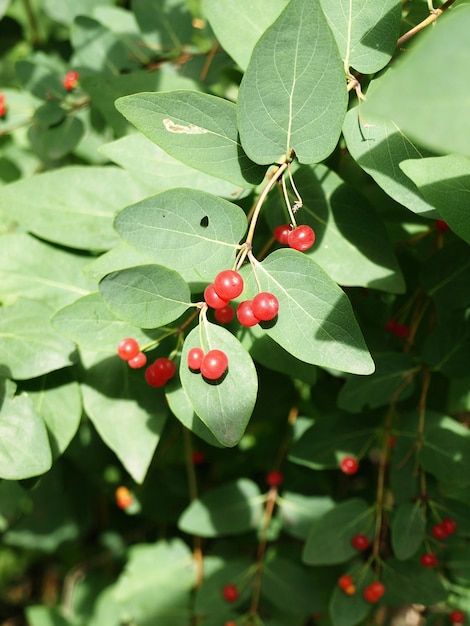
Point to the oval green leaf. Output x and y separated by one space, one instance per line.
408 527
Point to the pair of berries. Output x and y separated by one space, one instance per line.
349 465
160 372
346 583
3 106
129 350
212 364
300 238
227 285
444 529
360 542
374 592
263 308
123 497
70 80
399 330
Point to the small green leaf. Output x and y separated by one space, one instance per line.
295 69
118 258
408 529
228 510
24 446
443 124
209 599
45 616
28 344
446 451
148 296
52 144
315 323
196 128
365 32
164 26
329 541
348 610
392 369
445 183
298 512
445 277
408 582
192 232
226 406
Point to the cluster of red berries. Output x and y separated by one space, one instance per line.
129 350
360 542
3 106
300 238
123 497
399 330
457 617
212 364
444 529
349 465
230 593
70 80
160 372
374 592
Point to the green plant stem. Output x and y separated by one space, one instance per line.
33 23
192 484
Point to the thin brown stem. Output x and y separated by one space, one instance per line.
192 485
208 62
429 20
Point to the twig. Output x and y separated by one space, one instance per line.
429 20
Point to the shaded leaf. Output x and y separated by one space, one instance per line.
408 529
298 512
445 277
348 610
408 582
446 451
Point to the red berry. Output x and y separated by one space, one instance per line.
195 356
128 349
301 238
212 299
281 233
449 525
428 560
230 593
457 617
3 107
401 331
274 478
374 592
198 457
228 284
153 377
224 315
345 581
265 306
245 314
138 361
165 368
349 465
439 531
442 226
230 624
70 80
360 542
123 497
214 364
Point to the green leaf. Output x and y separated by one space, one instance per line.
408 582
249 17
66 12
348 610
228 510
315 323
447 347
436 118
446 451
408 529
89 323
28 344
164 26
24 446
156 584
126 412
148 296
445 277
118 258
159 171
337 213
317 449
34 269
392 369
293 95
38 615
52 144
329 541
379 147
298 512
365 32
198 129
445 183
192 232
224 407
73 206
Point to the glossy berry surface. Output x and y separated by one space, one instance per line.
374 592
228 284
230 593
457 617
281 233
449 525
128 349
439 532
195 356
349 465
274 478
360 542
265 306
138 361
123 497
224 315
245 314
70 80
428 560
214 364
345 581
301 238
212 298
160 372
